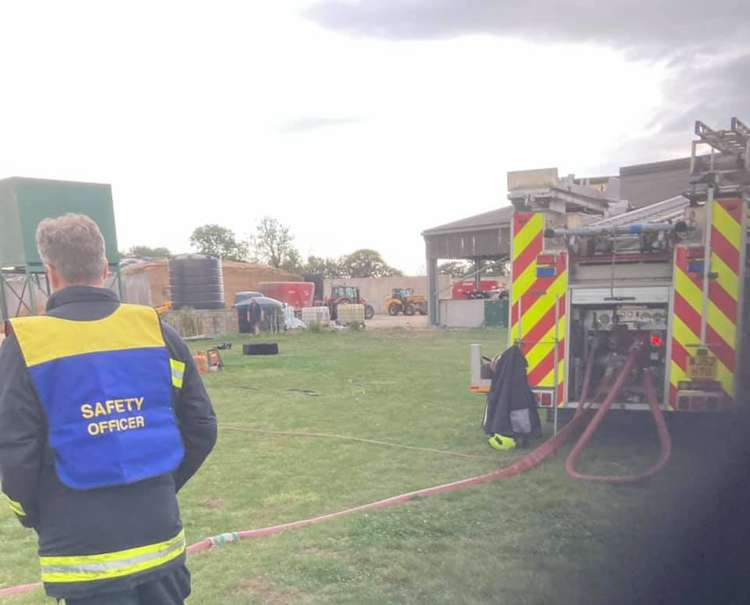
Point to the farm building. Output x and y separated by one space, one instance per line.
147 283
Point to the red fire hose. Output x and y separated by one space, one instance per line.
525 463
665 441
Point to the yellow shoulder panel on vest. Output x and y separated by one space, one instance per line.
43 338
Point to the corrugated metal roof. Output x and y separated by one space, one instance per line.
494 218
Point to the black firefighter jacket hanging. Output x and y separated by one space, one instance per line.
511 408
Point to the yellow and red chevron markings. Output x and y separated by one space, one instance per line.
533 301
723 300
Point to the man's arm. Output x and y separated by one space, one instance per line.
22 434
194 411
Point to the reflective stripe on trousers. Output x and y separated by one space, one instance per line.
105 566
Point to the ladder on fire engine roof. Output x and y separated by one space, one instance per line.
734 141
727 168
661 212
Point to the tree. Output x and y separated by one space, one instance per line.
327 267
367 263
147 252
460 268
293 262
272 244
456 268
215 240
496 268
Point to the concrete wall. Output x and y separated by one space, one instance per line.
191 322
462 313
376 289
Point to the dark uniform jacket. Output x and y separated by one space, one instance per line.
103 520
508 394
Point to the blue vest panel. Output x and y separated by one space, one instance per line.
109 412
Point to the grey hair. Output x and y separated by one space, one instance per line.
74 246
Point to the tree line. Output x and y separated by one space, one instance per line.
459 269
273 244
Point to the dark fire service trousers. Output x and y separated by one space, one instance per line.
171 589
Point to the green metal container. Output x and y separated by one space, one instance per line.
496 313
25 202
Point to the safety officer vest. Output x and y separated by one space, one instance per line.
106 388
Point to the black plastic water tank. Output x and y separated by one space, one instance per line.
196 281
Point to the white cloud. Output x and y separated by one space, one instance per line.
181 107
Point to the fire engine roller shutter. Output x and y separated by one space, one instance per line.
723 301
535 289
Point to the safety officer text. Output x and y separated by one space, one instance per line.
112 407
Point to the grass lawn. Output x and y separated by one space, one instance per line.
537 538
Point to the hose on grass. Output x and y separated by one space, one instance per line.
20 589
523 464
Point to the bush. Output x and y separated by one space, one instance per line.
315 327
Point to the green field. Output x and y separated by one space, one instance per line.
537 538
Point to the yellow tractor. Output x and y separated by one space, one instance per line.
403 300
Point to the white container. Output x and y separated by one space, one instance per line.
320 315
351 314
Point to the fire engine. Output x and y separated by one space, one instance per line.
672 277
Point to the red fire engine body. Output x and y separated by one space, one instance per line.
674 275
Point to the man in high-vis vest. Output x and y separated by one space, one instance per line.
103 418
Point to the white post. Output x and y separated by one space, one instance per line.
475 361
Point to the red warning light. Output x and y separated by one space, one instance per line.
656 340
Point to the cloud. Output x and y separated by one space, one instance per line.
711 93
705 44
659 25
308 123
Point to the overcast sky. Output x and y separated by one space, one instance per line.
356 123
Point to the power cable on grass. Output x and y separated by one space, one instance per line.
248 429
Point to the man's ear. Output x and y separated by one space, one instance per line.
53 276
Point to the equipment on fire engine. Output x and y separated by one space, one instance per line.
627 369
